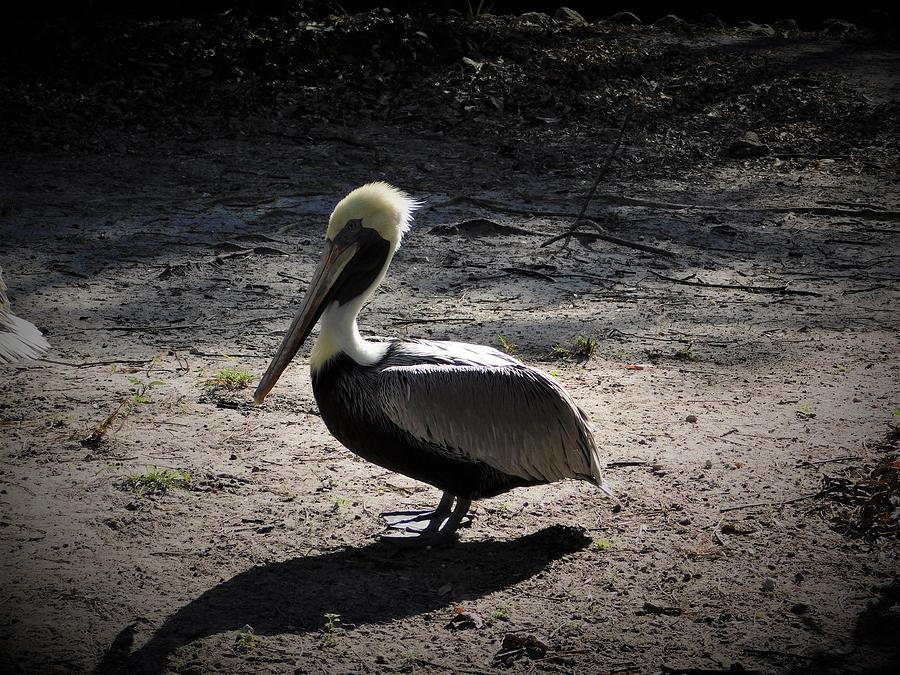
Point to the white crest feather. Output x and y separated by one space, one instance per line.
380 206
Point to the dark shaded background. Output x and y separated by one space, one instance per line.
808 15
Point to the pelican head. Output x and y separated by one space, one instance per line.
364 231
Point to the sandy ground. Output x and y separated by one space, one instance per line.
719 410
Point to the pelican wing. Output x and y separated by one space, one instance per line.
477 404
19 339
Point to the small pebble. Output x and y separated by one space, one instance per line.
707 464
691 418
768 584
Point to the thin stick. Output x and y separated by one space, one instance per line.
90 364
783 290
580 220
606 237
605 168
829 461
529 273
758 504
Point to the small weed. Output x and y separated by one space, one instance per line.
501 613
583 349
137 397
602 545
339 502
571 629
410 661
246 640
555 374
561 352
476 11
229 379
804 412
505 507
332 623
58 421
158 481
139 393
507 346
685 354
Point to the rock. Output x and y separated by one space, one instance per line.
570 16
757 28
692 419
707 464
625 19
748 145
710 20
536 18
463 619
837 27
671 23
786 27
514 644
768 584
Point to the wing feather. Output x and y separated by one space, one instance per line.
19 339
483 406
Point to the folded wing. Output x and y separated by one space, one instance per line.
489 407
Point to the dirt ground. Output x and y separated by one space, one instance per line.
736 386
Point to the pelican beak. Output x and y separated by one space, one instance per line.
336 257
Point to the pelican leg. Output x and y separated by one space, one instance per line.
457 517
422 519
436 529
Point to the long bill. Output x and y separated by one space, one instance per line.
332 263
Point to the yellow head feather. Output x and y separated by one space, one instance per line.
379 206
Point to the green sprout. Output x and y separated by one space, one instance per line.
229 379
507 346
158 481
332 623
583 349
685 354
246 640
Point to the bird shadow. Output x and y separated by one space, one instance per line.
369 585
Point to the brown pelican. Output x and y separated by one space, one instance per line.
19 339
470 420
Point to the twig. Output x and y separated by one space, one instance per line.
444 319
529 273
853 291
783 290
572 232
829 461
605 166
580 220
778 505
90 364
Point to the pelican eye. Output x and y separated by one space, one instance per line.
353 225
